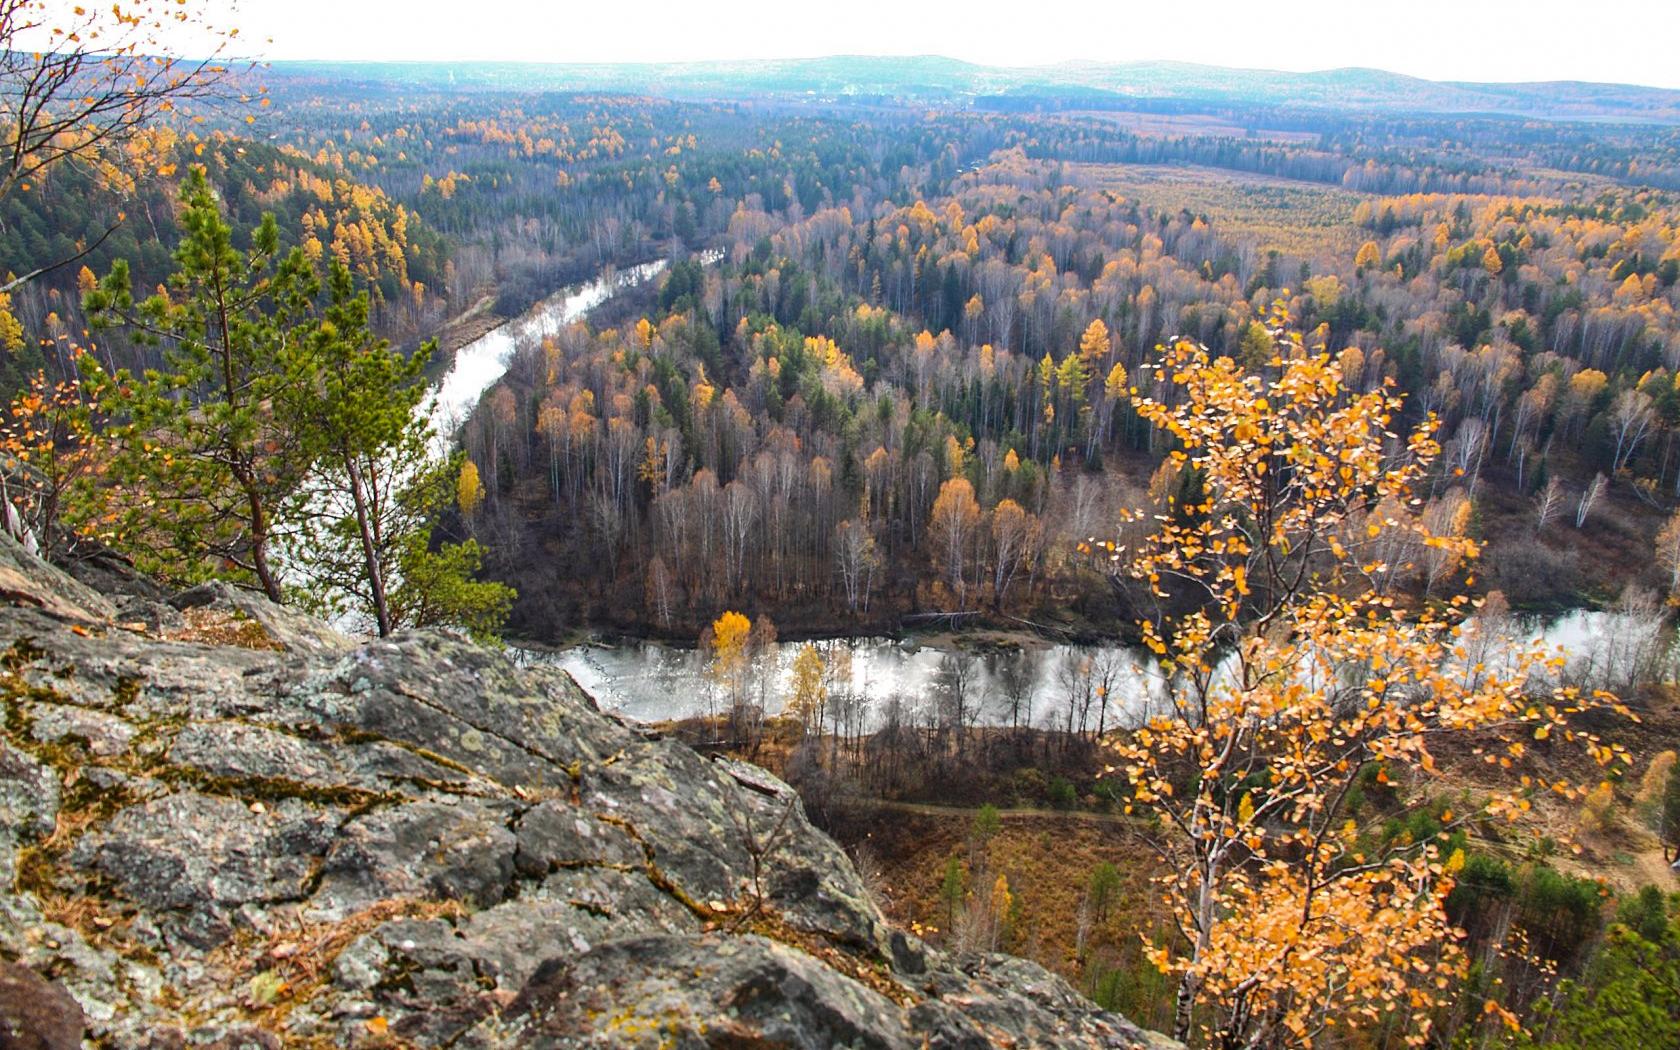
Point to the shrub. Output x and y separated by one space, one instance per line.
1061 793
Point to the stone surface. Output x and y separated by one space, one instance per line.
35 1013
29 794
286 628
28 581
458 849
105 735
253 832
188 851
642 992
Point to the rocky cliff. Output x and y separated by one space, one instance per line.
228 826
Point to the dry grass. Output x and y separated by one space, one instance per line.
293 965
1302 219
213 627
870 974
1048 862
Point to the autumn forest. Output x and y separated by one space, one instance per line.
1224 446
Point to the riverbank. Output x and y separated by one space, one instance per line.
1075 636
497 308
935 629
469 325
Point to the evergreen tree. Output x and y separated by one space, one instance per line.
281 443
439 587
1669 814
361 398
1629 997
363 540
202 435
952 889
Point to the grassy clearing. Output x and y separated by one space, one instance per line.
1196 124
1296 218
1048 861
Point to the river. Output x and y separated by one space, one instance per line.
480 363
1032 683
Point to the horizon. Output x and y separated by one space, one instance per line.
942 57
1317 36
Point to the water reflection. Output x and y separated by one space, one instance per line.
1048 686
1040 684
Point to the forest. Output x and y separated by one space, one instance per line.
843 364
1304 402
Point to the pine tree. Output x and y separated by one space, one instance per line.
1103 890
952 889
439 588
362 398
1668 821
364 522
204 433
281 443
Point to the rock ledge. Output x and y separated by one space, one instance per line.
226 826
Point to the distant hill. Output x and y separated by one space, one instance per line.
933 77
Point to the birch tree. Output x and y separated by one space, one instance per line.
1290 926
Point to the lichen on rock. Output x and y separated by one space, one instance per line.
275 835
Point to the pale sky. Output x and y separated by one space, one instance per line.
1631 41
